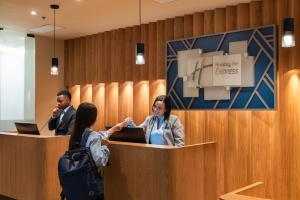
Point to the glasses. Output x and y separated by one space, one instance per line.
157 108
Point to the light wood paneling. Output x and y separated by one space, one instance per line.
99 101
143 76
188 26
152 51
161 53
252 145
198 24
112 104
125 100
128 55
75 93
140 101
86 93
255 13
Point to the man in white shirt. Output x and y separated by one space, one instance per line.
63 115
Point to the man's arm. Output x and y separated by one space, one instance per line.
52 123
71 124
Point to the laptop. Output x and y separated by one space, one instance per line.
27 128
135 134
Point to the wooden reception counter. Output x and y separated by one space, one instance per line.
28 169
28 166
148 172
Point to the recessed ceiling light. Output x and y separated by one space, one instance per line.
33 12
164 1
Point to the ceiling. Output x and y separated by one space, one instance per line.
85 17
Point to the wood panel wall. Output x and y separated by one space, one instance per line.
252 145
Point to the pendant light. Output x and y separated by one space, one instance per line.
139 50
54 61
288 35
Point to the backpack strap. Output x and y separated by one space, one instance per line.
84 138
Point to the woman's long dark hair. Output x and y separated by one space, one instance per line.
85 117
166 100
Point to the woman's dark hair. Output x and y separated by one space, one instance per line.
86 115
166 100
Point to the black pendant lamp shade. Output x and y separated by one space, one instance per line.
288 35
139 52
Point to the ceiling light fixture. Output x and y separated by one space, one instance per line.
33 12
54 61
288 35
139 49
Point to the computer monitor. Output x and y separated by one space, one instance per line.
135 134
27 128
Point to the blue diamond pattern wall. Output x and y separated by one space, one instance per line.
262 44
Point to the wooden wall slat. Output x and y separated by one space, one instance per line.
86 92
100 61
231 18
75 93
198 24
140 101
107 56
178 27
112 104
67 62
161 53
255 13
209 22
99 101
120 52
88 59
243 13
152 51
135 69
82 60
125 100
220 20
143 76
76 72
128 54
188 26
268 8
113 55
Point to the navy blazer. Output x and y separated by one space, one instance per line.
66 126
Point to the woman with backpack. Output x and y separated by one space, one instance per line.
83 137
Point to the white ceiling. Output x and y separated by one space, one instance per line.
85 17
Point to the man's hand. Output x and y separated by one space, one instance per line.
56 111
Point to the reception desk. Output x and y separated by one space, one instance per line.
28 166
28 169
148 172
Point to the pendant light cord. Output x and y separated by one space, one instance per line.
54 34
140 19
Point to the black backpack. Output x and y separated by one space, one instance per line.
78 174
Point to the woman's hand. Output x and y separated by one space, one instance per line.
129 122
116 128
